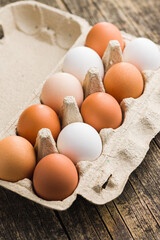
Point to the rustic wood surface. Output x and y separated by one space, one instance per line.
133 215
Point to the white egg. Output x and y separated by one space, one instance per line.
80 59
143 53
79 142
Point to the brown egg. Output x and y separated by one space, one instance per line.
55 177
36 117
17 159
101 110
123 80
100 35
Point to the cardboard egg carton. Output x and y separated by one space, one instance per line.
34 39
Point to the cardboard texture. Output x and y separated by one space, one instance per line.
34 39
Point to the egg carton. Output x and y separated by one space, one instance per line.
45 31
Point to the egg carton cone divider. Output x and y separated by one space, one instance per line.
124 148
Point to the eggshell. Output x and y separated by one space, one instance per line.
143 53
57 87
79 60
100 35
123 80
55 177
17 159
36 117
79 142
101 110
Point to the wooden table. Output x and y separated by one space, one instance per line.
133 215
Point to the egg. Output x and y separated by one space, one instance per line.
79 60
123 80
17 159
100 35
55 177
57 87
80 142
101 110
143 53
36 117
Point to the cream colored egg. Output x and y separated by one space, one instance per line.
57 87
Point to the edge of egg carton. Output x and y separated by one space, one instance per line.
118 158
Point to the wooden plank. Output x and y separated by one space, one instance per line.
23 219
83 222
147 185
114 223
114 14
148 205
157 140
53 3
143 214
85 9
149 20
139 205
132 16
96 221
6 222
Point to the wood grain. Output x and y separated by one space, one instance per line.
133 215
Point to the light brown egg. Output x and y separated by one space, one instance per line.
100 35
17 159
36 117
55 177
123 80
59 86
101 110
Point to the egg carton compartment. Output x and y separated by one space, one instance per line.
124 148
34 39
